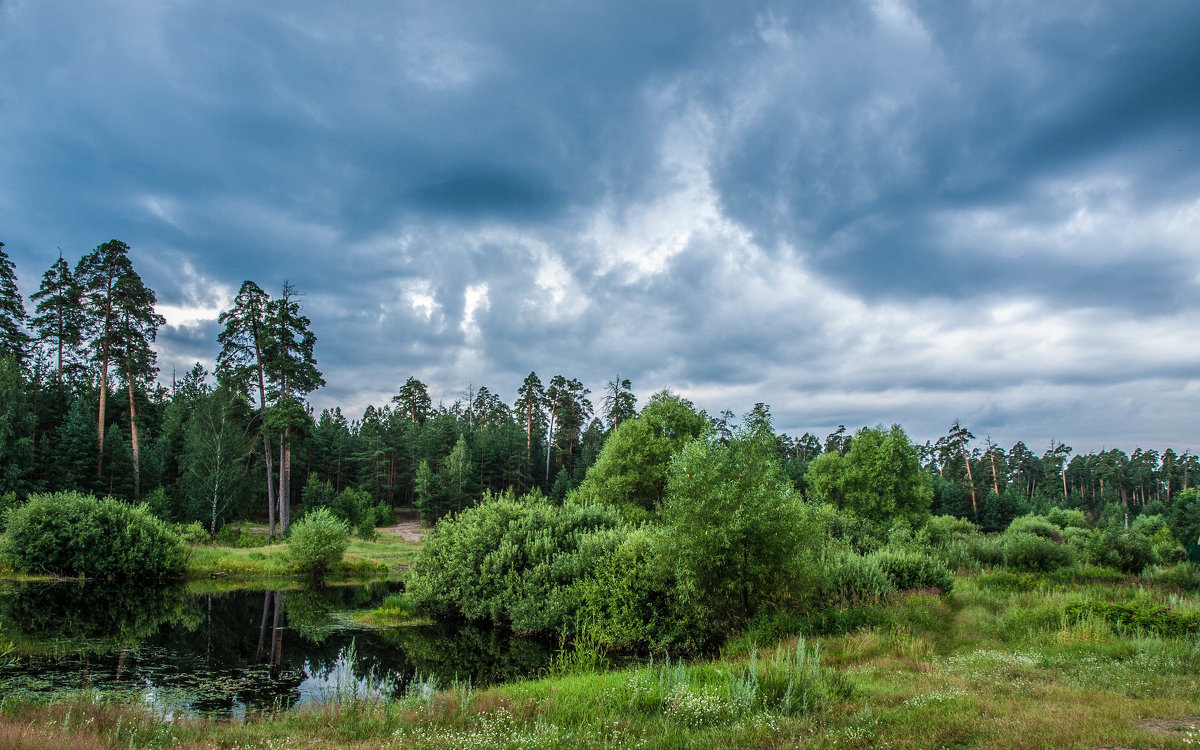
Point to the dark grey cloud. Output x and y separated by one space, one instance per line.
859 212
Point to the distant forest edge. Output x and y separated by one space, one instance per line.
81 409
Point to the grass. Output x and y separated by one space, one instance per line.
386 556
995 664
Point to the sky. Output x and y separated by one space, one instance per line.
856 212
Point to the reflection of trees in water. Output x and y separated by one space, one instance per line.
91 617
222 653
466 652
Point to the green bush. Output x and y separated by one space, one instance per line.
987 550
191 533
366 529
513 562
71 534
1132 617
8 501
1185 576
1027 551
1124 549
911 569
1032 524
317 541
849 575
1065 518
944 529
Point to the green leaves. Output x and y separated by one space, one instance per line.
77 535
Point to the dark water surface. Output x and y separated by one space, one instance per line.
229 653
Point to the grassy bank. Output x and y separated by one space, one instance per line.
1003 662
385 556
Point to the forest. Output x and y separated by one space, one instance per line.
83 409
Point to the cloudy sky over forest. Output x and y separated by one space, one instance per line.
856 212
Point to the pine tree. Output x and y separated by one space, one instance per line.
291 371
136 327
13 340
59 318
240 362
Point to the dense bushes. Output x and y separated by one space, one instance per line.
317 541
1032 552
514 562
67 533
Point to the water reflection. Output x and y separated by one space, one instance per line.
238 652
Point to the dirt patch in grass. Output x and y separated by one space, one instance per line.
1170 726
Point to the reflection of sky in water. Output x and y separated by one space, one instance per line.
239 653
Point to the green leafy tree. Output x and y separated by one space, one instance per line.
734 520
216 449
880 479
16 428
631 470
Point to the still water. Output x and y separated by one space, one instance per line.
229 653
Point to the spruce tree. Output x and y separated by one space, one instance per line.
13 340
59 317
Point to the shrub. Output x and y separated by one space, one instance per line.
8 501
988 550
354 506
317 541
1026 551
1064 518
67 533
366 529
1032 524
850 575
911 569
514 562
1131 617
943 529
1125 550
191 533
1185 576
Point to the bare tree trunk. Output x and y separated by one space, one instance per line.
133 444
285 481
971 481
1066 495
995 477
549 443
103 401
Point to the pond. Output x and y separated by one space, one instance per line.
226 654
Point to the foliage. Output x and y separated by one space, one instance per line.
1124 549
1026 551
1137 616
912 569
67 533
735 520
317 541
1034 524
631 470
880 479
515 562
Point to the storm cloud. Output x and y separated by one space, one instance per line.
855 212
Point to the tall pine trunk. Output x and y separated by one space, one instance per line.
133 443
103 400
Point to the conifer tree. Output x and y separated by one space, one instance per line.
291 371
59 317
13 340
240 362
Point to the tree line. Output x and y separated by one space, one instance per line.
215 447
